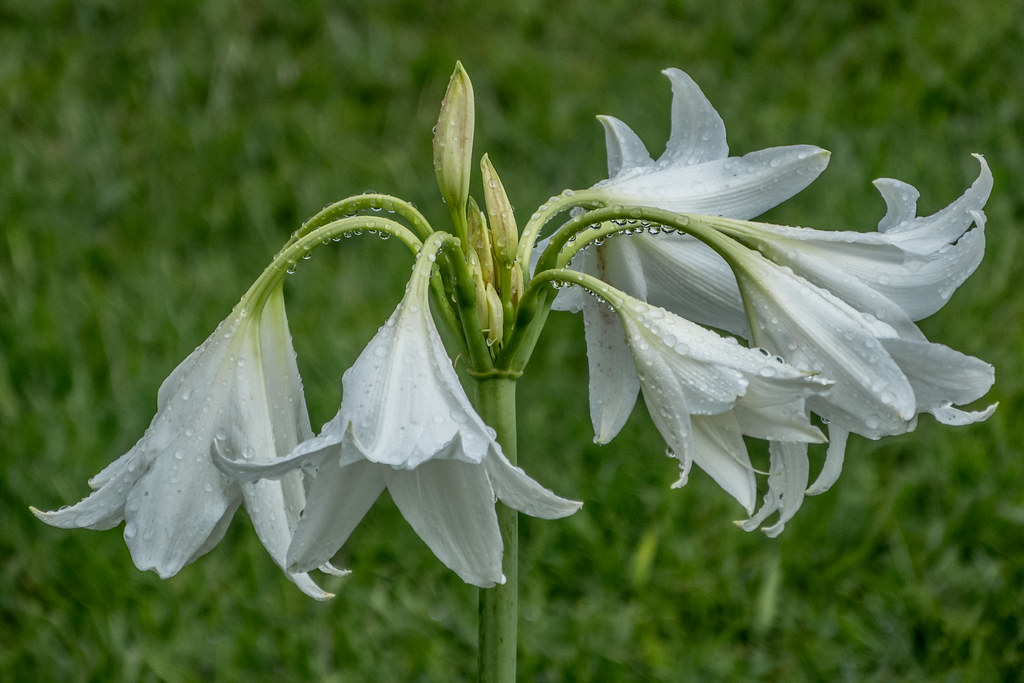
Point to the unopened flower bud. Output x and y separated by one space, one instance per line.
453 141
495 316
504 233
482 315
480 240
516 285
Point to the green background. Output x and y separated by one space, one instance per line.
153 156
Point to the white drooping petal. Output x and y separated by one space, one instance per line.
814 330
705 392
515 489
613 382
902 274
614 385
238 394
719 450
928 234
787 479
941 376
337 501
274 505
450 505
834 457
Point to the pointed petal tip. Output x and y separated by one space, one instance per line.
674 74
310 588
329 568
747 525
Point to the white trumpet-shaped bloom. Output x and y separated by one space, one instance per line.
843 304
706 392
238 394
407 425
695 174
882 380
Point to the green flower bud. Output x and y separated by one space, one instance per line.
516 286
480 239
453 141
504 233
495 316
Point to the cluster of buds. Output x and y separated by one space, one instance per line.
489 240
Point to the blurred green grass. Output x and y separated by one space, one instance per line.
155 155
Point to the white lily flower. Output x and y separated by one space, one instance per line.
881 281
406 424
906 271
239 393
695 174
706 392
882 380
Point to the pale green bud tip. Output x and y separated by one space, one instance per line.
480 239
504 232
453 140
495 316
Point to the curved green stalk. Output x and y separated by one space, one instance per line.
299 248
350 206
593 227
569 199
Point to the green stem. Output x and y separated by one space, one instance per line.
499 616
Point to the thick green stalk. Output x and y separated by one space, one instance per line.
499 611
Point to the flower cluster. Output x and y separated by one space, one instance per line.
730 328
841 305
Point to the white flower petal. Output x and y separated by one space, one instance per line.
958 418
625 149
718 449
280 421
104 508
698 132
927 234
613 382
940 376
738 187
672 264
337 501
171 511
614 385
517 490
900 202
788 477
814 330
450 505
833 467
